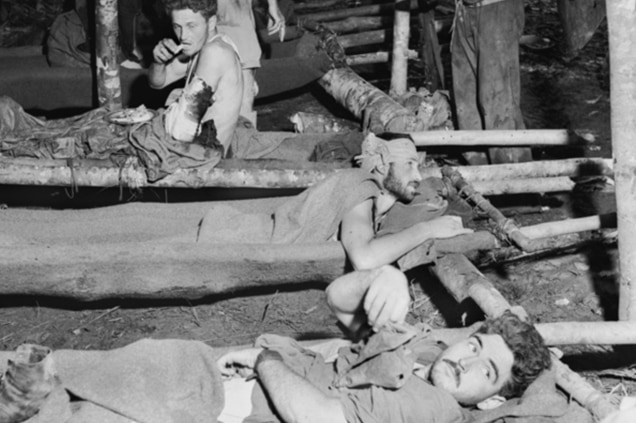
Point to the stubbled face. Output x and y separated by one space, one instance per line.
402 179
474 369
191 29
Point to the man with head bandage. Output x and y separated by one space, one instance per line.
394 167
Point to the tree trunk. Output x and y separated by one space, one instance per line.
621 15
399 60
107 63
234 173
379 112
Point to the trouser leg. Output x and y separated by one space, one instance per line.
500 26
464 61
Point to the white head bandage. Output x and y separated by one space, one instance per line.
377 152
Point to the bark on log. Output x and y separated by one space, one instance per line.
259 174
520 186
540 169
377 57
496 138
366 102
621 16
363 38
568 226
162 270
107 63
371 23
334 15
493 304
399 59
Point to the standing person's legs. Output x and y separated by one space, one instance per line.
464 61
500 28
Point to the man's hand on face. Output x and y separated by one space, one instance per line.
165 51
447 227
387 299
238 363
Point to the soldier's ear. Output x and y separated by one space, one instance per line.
212 21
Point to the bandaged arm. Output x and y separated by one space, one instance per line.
294 397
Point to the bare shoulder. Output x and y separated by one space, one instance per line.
218 49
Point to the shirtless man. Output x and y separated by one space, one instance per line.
200 54
501 357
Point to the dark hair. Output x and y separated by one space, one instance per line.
207 8
531 356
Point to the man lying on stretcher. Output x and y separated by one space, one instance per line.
399 373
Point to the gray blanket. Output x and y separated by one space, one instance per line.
149 381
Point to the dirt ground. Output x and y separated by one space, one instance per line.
579 286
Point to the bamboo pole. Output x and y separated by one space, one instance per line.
462 280
568 226
399 59
107 63
621 17
255 174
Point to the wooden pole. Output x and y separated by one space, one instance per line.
399 62
497 137
621 17
376 57
520 186
107 63
596 333
337 14
232 173
568 226
462 280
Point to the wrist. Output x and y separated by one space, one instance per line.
267 356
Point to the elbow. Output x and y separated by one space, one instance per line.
364 262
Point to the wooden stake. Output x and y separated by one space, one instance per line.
621 17
399 59
108 82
